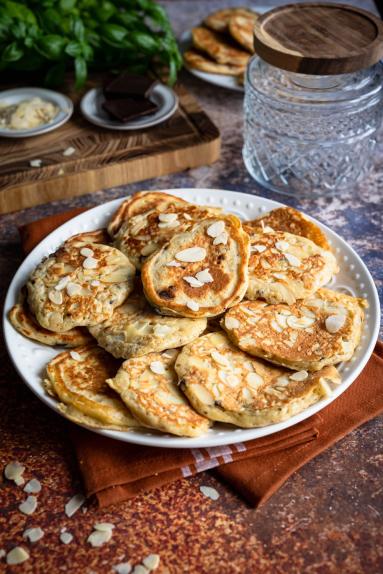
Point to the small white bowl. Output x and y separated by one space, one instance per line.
163 96
18 95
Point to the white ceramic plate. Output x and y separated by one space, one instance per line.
163 96
17 95
30 358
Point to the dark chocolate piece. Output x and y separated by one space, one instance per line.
129 108
127 85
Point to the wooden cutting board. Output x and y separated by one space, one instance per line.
103 158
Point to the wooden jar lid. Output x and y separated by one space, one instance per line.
319 38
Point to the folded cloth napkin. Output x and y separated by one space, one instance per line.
114 471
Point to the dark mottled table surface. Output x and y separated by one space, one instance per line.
326 518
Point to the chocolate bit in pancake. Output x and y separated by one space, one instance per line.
128 86
129 108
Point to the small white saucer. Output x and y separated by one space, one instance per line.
163 96
17 95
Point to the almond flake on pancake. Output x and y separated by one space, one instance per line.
17 555
14 471
187 216
66 537
74 504
221 239
167 217
149 249
161 330
173 264
258 248
299 376
216 229
62 283
56 297
232 323
169 224
32 486
299 323
29 505
254 380
86 252
73 289
192 305
75 355
95 283
103 526
151 562
204 276
335 322
90 263
220 359
193 282
191 255
157 367
292 260
33 534
282 245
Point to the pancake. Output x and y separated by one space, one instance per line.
148 386
292 221
227 385
284 267
135 329
25 323
79 285
139 203
219 20
144 233
218 48
199 62
241 28
322 330
199 273
97 236
77 379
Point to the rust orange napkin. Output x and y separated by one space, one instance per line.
113 471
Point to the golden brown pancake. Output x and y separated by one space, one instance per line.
201 272
322 330
195 60
77 379
219 20
293 221
241 28
97 236
218 48
225 384
148 386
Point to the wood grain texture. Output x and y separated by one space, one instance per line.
319 38
103 158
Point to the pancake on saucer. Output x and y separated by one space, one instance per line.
194 59
284 267
218 48
79 285
77 379
225 384
148 386
135 329
199 273
241 28
321 330
293 221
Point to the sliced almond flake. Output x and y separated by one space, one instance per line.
29 505
191 255
151 562
222 375
247 394
14 471
281 320
232 380
33 534
95 283
76 356
254 380
170 353
292 260
249 366
149 249
220 359
98 538
161 330
140 569
35 162
347 346
90 263
299 322
282 245
232 323
17 555
56 297
192 305
280 276
33 486
167 217
122 568
299 376
2 553
266 228
283 381
258 248
221 239
216 229
69 151
157 367
265 264
66 537
273 391
187 216
334 323
210 492
73 289
203 394
275 326
173 264
86 252
326 389
103 526
193 282
62 283
169 225
307 313
204 276
74 504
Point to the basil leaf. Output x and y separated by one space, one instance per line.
12 53
73 49
52 46
80 69
114 32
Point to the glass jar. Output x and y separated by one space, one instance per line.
313 97
308 134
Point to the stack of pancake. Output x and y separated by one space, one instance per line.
178 316
223 43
